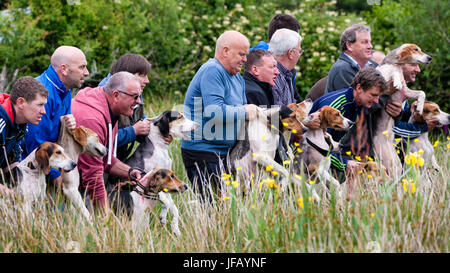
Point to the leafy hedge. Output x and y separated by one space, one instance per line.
175 36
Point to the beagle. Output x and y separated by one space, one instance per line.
391 69
157 186
316 145
430 111
153 152
36 165
259 144
80 140
371 174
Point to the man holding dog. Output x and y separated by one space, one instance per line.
99 109
216 99
67 70
25 104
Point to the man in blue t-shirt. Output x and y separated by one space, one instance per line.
216 99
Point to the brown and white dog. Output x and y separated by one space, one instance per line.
430 111
262 134
157 185
80 140
318 144
371 174
36 165
392 72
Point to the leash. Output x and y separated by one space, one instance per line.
320 150
145 191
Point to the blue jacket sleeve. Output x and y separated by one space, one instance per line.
125 135
338 162
402 128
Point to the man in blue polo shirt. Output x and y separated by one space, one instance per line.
216 99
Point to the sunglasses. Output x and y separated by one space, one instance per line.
135 96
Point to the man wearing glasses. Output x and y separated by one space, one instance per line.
99 109
285 45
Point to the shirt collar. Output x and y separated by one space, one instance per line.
53 78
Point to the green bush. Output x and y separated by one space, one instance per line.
425 23
178 36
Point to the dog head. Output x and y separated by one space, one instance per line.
175 123
407 54
51 156
332 118
164 179
88 139
302 110
430 111
288 119
371 168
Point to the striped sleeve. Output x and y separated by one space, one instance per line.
2 125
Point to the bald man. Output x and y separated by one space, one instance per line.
216 99
67 70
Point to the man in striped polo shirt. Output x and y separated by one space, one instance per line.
365 91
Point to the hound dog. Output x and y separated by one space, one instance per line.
430 111
318 144
371 174
261 137
80 140
157 185
391 70
153 151
31 182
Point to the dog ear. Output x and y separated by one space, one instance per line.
42 156
80 135
163 126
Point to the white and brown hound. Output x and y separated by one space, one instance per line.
318 144
262 134
390 68
80 140
430 111
36 165
157 185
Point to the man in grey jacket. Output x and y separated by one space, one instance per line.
356 54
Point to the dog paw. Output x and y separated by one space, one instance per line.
176 232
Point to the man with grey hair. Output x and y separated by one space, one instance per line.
99 109
285 45
356 54
67 70
216 99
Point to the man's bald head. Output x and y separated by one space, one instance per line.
70 65
231 50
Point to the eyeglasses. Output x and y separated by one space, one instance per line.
300 51
135 96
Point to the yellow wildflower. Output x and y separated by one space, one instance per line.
269 168
385 133
416 140
165 190
235 184
358 158
239 168
369 176
225 198
285 124
298 176
299 150
300 203
296 144
228 182
448 146
420 152
286 162
398 139
254 154
372 214
348 153
312 182
436 143
294 131
274 173
263 137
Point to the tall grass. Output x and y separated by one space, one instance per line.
381 218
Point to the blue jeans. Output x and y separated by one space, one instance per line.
205 176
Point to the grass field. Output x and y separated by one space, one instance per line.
389 217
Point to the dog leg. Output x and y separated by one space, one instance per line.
266 161
70 189
324 175
419 95
435 164
168 203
